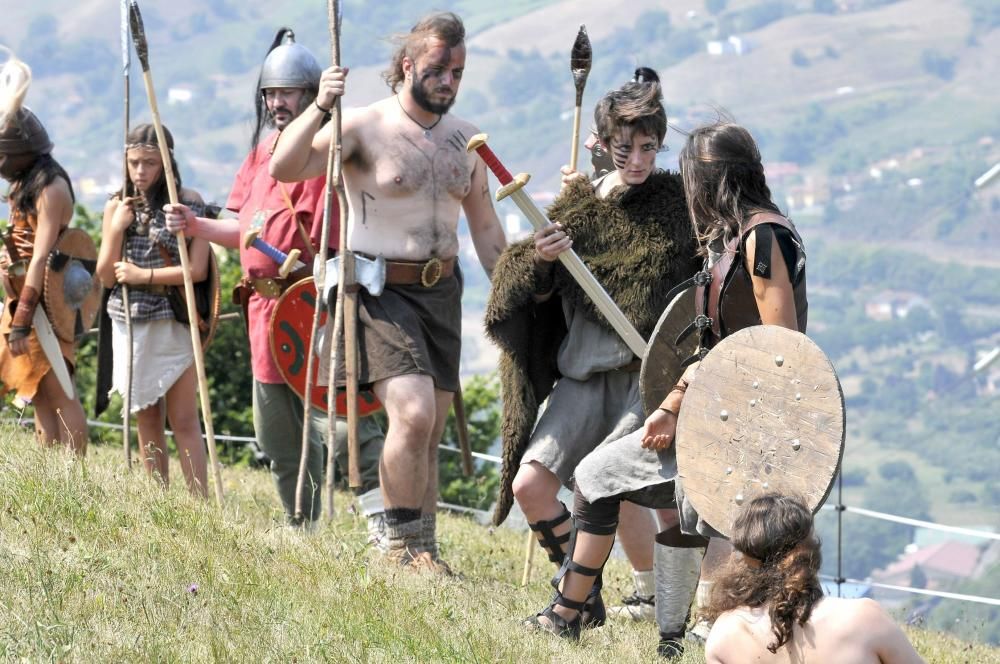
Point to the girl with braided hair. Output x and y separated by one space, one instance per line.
768 605
164 382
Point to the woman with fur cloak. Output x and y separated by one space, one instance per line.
632 230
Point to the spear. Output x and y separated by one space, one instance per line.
334 186
142 50
127 398
580 59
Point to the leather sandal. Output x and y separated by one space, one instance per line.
553 623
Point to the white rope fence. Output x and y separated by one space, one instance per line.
916 522
918 591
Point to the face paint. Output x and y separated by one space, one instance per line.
634 156
437 74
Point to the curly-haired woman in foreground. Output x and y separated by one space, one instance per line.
768 605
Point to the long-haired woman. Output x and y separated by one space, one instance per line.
41 207
164 381
768 605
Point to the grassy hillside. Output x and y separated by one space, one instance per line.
104 566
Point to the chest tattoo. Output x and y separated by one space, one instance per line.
365 197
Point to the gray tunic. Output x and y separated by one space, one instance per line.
591 404
623 468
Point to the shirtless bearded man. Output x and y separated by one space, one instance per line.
407 175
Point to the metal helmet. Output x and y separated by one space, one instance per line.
24 134
290 65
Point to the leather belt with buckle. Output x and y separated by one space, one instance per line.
426 273
268 287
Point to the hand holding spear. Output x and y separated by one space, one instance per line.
142 50
580 59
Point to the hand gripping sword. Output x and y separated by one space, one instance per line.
142 50
513 186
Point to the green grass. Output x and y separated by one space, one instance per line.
102 565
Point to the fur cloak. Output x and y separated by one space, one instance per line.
638 242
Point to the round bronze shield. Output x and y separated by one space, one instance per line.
291 334
764 413
72 293
661 366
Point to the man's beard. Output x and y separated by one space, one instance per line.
294 113
423 101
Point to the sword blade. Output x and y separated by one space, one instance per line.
50 346
622 325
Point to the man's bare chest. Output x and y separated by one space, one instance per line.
412 165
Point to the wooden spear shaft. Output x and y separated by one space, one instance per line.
139 39
347 291
127 397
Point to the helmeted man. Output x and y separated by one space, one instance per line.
287 216
408 175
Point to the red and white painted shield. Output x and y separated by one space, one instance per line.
291 334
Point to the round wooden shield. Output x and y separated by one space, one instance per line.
764 413
661 366
291 334
72 293
214 293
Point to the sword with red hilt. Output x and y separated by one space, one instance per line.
513 186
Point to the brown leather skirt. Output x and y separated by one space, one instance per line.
410 329
23 373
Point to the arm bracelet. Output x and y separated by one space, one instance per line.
25 312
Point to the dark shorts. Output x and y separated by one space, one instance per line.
410 329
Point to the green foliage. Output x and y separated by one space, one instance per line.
896 471
937 64
985 14
754 17
481 395
799 59
232 61
972 621
824 6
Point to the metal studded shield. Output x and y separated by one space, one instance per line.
765 412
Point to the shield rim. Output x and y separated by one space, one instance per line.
215 306
651 401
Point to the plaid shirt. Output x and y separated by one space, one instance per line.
144 251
